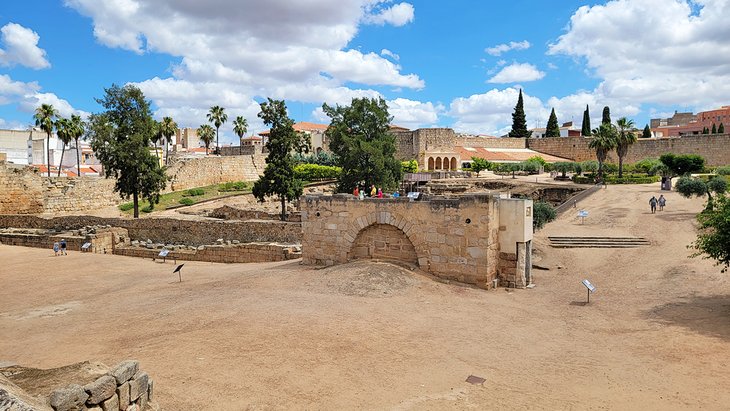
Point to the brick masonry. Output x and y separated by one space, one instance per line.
199 172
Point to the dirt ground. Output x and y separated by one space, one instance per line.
655 336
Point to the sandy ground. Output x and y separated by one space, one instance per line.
373 336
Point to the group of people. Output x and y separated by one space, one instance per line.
654 202
60 248
374 192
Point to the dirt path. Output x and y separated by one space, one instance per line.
280 336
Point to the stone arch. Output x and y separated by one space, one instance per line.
391 231
438 163
430 163
454 166
446 163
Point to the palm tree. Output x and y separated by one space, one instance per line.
156 136
624 140
603 141
76 130
205 133
63 126
168 128
240 127
44 117
217 116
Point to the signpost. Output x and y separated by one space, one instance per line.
178 270
85 247
591 289
582 214
163 254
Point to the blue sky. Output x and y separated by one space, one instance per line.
453 64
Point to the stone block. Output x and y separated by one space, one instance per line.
70 398
123 395
133 407
101 389
150 389
138 385
124 371
111 404
93 408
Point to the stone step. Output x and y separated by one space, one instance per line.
597 242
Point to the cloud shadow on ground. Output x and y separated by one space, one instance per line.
709 315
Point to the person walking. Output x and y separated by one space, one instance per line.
662 202
56 248
652 204
63 247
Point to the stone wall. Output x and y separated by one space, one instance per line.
491 142
102 239
221 253
168 230
454 239
199 172
240 150
714 148
233 213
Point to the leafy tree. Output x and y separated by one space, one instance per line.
543 213
519 123
625 139
76 129
721 129
564 167
552 129
217 115
279 176
679 165
713 240
604 140
606 118
409 166
647 166
44 117
692 186
479 164
120 137
240 127
168 128
714 129
63 126
537 159
647 132
360 138
586 127
206 134
591 166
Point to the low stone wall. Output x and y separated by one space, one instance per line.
169 230
232 213
221 253
102 240
199 172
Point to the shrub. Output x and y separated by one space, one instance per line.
233 186
543 214
530 166
186 201
409 166
632 179
610 168
126 206
314 172
723 171
195 192
590 166
647 166
148 209
537 159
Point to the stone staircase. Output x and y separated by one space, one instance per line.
598 242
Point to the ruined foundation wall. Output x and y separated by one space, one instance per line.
199 172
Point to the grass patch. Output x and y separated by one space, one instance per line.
190 197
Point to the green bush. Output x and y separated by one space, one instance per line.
315 172
590 166
194 192
632 179
543 214
233 186
589 179
186 201
148 209
646 166
610 168
126 206
537 159
723 171
409 166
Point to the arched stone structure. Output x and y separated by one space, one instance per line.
385 242
454 165
445 163
438 163
430 164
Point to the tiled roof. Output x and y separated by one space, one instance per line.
504 155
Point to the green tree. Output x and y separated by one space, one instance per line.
604 141
647 132
279 176
44 117
606 118
120 137
721 129
63 132
714 129
679 165
156 136
543 213
217 115
705 130
693 186
479 164
624 139
168 128
586 127
713 240
519 123
564 167
360 138
76 130
206 134
409 166
552 129
240 127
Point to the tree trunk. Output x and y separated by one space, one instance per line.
156 153
63 151
283 208
78 157
135 200
620 166
167 152
217 145
48 152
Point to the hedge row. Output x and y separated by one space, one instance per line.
315 172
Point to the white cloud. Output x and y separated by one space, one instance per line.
517 72
490 113
12 125
21 47
397 15
64 108
12 91
414 114
388 53
503 48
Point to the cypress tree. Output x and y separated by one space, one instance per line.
586 129
714 129
606 116
552 129
705 130
721 129
647 132
519 123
